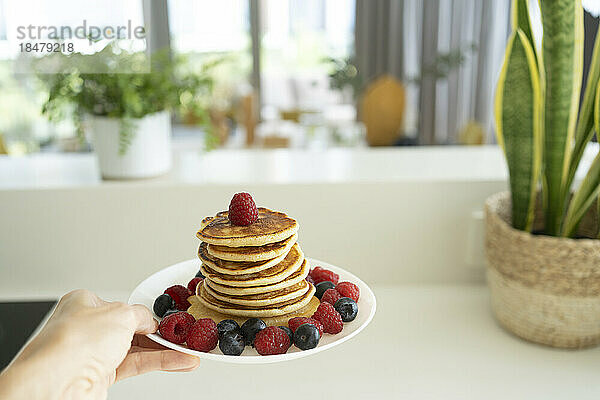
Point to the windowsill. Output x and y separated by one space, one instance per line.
280 166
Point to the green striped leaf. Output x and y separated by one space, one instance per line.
597 108
585 124
583 198
590 186
520 19
597 128
562 50
518 125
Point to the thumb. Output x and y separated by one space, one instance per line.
142 362
143 319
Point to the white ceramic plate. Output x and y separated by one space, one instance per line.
182 273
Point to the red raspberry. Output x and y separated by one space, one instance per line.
272 340
331 319
320 274
203 335
331 296
180 294
175 327
295 322
348 289
242 209
193 284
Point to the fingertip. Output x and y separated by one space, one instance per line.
195 363
154 327
159 360
184 370
143 319
178 361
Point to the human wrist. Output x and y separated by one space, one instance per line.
20 381
41 371
34 379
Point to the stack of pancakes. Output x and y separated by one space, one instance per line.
256 270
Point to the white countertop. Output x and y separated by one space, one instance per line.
274 166
425 342
252 166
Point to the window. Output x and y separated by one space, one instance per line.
22 95
297 38
205 26
214 32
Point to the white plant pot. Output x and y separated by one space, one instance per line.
148 155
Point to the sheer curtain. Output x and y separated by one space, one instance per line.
447 52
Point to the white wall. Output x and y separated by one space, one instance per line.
111 237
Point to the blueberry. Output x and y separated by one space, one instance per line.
232 343
347 308
162 304
227 325
289 332
306 337
322 287
250 328
199 274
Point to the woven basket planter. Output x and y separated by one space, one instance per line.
543 289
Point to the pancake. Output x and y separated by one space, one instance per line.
235 267
262 299
270 310
293 279
290 264
253 253
270 227
200 311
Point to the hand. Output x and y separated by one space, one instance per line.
86 346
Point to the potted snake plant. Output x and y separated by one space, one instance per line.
542 247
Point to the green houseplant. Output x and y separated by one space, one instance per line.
125 101
545 285
344 76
